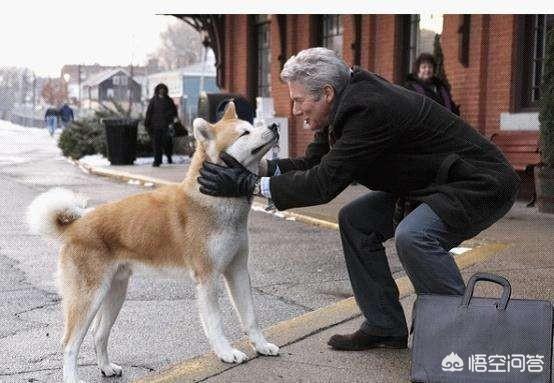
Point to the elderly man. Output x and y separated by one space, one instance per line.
403 147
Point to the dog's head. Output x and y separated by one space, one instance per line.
246 143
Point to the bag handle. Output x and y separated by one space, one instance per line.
506 293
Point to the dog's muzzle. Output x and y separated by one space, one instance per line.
274 132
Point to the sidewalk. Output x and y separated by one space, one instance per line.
520 247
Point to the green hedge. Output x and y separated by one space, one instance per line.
82 138
87 136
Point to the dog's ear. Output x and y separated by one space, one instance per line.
230 112
203 130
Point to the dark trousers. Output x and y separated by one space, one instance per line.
161 142
423 242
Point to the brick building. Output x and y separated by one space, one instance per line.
493 62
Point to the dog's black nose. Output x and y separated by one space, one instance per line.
274 127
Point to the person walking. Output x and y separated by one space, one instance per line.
160 114
51 118
66 115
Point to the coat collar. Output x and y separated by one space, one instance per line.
356 74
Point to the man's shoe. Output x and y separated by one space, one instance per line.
361 341
156 164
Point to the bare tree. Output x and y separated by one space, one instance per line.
16 86
180 45
54 91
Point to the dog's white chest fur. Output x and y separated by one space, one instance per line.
230 232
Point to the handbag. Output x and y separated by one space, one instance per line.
178 129
471 339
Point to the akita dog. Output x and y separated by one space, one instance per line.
173 228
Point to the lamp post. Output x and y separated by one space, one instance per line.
206 44
34 96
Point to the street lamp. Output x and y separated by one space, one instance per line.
206 44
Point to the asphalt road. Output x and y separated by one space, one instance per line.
295 268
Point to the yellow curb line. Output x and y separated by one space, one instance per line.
298 328
121 175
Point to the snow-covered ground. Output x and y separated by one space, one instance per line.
27 140
99 160
30 138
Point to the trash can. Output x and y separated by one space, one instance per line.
121 137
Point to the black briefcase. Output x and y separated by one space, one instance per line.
465 339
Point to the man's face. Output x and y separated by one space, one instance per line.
315 112
425 71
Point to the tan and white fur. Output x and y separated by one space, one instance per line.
174 229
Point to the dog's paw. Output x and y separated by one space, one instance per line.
267 349
233 356
111 370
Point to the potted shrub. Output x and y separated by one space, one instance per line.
544 174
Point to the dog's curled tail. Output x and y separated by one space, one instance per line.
50 213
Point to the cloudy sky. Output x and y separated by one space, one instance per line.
62 32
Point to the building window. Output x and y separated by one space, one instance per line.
109 93
120 80
263 49
463 42
331 33
532 41
413 41
415 35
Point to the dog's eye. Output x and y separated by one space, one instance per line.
245 133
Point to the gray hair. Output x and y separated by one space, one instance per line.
316 67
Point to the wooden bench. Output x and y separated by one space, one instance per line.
521 148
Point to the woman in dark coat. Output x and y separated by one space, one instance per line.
161 113
424 81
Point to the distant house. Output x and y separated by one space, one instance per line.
185 85
76 74
113 84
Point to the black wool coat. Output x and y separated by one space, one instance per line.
160 113
434 89
391 139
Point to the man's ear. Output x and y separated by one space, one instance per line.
328 93
203 130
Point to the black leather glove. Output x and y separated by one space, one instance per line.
272 167
231 181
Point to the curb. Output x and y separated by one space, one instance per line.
293 330
121 175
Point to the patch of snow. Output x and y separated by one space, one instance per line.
101 161
95 160
459 250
